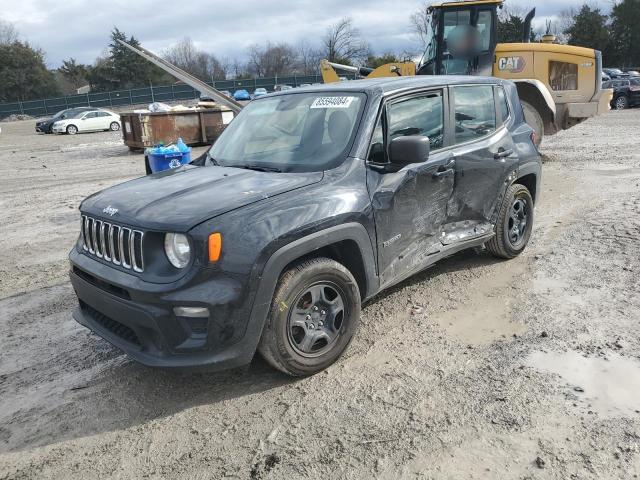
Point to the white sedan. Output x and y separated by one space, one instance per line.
91 121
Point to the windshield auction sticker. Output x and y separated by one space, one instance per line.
332 102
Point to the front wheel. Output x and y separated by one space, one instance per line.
114 127
72 129
514 225
314 315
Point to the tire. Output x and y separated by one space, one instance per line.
516 207
314 314
621 103
114 127
534 120
72 129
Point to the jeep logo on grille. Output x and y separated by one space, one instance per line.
111 211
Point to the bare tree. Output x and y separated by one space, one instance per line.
308 58
420 23
186 55
343 44
8 33
272 60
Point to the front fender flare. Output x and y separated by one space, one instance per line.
282 257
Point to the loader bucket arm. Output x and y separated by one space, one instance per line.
399 69
185 77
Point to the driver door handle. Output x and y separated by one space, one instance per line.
446 169
503 154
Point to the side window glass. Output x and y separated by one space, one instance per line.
503 105
475 112
563 76
485 26
377 152
422 116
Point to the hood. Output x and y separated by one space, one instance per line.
179 199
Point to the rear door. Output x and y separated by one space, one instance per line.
484 155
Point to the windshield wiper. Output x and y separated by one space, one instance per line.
212 160
257 168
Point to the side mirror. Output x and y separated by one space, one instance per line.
407 150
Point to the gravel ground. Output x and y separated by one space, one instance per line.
477 368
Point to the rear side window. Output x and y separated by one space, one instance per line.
503 105
422 116
475 112
563 76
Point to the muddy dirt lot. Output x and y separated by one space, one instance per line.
477 368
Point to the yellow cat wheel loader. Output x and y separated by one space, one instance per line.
559 85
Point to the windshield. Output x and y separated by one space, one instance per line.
299 132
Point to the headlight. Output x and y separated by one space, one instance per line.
176 246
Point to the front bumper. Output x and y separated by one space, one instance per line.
143 323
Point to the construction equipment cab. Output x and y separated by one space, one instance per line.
559 85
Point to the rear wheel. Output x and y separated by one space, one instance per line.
621 103
514 224
534 120
314 315
72 129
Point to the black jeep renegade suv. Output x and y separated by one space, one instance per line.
311 201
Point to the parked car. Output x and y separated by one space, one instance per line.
227 93
626 92
605 77
614 73
91 121
241 95
259 92
280 88
633 73
44 126
308 204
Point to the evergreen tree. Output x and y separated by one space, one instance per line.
122 68
511 29
625 34
588 28
23 74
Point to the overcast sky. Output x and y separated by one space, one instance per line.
80 28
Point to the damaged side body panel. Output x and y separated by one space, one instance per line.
427 211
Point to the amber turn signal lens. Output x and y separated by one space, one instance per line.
215 246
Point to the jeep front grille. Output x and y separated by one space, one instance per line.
113 243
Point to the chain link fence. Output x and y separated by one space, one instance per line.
141 96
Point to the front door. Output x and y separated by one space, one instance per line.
410 204
484 155
90 122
